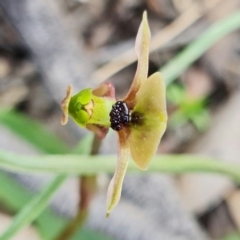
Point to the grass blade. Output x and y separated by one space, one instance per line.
32 210
33 132
39 202
194 50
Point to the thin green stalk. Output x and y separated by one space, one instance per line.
194 50
89 165
33 209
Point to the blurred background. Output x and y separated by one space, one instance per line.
46 45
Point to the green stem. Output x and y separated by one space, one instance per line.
89 165
194 50
32 210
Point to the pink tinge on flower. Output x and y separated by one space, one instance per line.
140 137
105 90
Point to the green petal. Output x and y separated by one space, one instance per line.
115 186
150 120
142 49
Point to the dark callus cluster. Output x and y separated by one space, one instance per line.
119 115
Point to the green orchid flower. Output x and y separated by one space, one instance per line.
90 108
139 119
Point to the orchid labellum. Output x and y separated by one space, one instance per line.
139 119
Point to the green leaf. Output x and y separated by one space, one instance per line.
201 120
175 94
12 194
34 207
32 132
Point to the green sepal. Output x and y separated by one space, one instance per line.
85 108
101 111
76 106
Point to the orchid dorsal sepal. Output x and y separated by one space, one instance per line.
142 50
